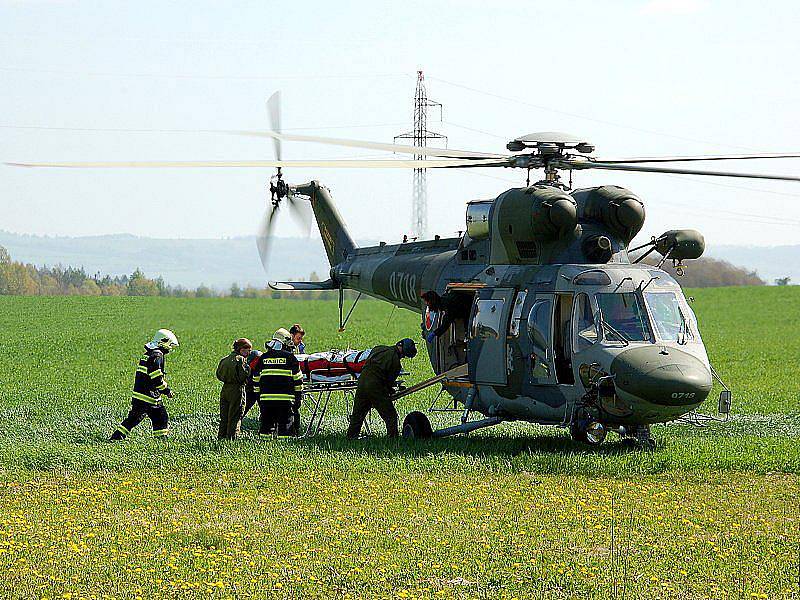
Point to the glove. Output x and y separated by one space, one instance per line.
430 337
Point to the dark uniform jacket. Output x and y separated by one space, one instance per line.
454 308
233 371
150 380
277 376
380 373
252 361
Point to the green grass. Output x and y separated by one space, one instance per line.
514 511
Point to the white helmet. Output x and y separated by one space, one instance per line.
163 339
280 339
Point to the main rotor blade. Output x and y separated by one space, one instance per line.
274 110
590 164
399 148
658 159
338 164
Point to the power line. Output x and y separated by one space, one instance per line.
730 185
481 131
583 117
146 130
198 76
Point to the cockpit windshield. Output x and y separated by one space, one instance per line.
624 317
668 316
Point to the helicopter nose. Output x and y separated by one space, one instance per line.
664 376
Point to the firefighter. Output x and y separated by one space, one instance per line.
149 386
233 371
279 382
297 332
376 385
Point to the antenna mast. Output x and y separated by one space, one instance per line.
420 136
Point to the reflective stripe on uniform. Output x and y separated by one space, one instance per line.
163 386
283 372
298 375
276 397
144 398
141 369
156 373
160 432
123 430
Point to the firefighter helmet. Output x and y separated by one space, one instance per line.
164 340
281 339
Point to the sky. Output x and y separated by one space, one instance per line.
636 78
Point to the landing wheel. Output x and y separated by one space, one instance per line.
417 426
588 431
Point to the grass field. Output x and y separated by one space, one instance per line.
515 511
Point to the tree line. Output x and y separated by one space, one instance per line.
20 279
710 272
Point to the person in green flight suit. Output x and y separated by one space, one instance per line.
376 385
233 371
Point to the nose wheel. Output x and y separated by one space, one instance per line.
586 430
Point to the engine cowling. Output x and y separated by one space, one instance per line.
526 218
618 209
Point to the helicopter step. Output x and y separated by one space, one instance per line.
416 425
454 373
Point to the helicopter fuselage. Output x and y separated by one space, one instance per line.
533 342
556 324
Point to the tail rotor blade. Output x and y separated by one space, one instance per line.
274 110
264 235
301 213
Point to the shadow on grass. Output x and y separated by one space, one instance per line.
462 446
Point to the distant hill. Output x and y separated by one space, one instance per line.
770 262
220 262
188 262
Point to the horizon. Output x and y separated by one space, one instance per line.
362 243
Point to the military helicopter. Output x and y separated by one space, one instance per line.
564 327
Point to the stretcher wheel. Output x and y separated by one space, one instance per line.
417 426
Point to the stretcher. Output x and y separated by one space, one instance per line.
317 396
327 375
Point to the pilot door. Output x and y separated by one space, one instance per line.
549 327
488 347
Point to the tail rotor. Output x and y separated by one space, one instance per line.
279 191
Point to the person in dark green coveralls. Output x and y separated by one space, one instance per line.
233 371
376 385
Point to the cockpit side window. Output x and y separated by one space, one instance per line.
585 327
670 322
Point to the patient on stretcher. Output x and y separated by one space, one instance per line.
334 365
